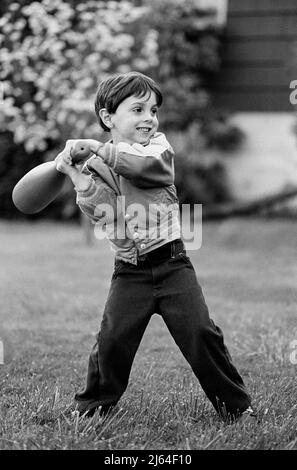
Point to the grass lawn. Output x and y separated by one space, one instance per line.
53 289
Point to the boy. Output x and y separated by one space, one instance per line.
152 272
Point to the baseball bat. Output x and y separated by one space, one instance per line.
41 185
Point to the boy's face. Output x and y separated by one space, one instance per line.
135 119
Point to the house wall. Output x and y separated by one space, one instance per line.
259 48
259 56
266 163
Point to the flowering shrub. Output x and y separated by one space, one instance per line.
53 53
188 52
52 57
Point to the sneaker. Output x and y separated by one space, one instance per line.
88 409
248 415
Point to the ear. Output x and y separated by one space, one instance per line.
106 118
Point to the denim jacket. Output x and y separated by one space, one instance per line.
132 196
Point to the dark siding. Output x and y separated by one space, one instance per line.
243 7
259 48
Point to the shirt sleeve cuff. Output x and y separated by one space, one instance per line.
87 192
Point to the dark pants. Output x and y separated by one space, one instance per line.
168 287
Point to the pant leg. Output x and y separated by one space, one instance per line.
186 315
128 309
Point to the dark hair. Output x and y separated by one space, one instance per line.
115 89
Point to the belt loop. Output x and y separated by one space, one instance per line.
182 245
172 246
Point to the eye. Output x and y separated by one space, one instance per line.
154 111
137 110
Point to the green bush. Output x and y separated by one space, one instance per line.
53 56
54 53
200 173
188 45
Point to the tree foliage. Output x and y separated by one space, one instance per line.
53 56
54 53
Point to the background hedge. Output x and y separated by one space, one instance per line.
54 53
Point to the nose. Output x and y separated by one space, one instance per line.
148 116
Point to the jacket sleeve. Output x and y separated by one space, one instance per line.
147 166
98 202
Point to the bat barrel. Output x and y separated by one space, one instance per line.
38 188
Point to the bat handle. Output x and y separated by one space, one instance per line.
80 152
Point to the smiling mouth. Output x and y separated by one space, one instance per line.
145 130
